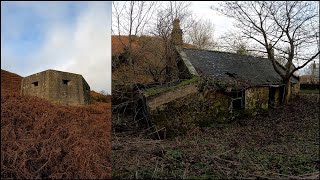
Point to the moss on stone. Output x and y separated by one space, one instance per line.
183 114
157 90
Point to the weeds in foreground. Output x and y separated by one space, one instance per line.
280 143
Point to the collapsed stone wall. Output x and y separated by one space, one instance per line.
194 109
179 109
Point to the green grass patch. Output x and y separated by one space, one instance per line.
310 91
175 154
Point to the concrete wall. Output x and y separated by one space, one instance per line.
42 90
86 91
256 98
57 86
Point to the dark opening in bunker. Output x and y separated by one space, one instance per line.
66 82
35 83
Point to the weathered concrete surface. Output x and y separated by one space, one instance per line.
58 87
41 89
159 100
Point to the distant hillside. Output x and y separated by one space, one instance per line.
43 140
119 42
98 97
10 82
148 58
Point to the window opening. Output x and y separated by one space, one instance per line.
66 82
35 83
237 98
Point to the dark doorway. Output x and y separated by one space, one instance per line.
281 94
272 96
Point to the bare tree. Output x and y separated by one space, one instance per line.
166 14
232 42
137 18
148 55
103 92
201 35
130 18
290 27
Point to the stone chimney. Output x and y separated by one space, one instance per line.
176 33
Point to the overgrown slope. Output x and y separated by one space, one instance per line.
282 143
42 140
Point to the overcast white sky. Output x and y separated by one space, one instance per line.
66 36
221 23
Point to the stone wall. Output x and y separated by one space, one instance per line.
256 98
182 114
176 33
295 89
57 86
179 109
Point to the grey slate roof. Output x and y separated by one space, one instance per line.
243 70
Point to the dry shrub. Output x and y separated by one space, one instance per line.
42 140
97 97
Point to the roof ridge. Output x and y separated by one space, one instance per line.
224 52
55 71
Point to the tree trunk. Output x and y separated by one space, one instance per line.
287 91
130 56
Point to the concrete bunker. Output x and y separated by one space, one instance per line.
58 87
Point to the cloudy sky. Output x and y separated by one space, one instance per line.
203 11
66 36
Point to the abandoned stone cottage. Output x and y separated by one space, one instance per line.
216 86
58 87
